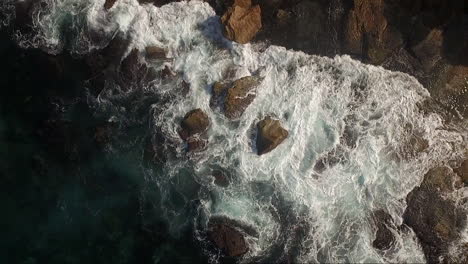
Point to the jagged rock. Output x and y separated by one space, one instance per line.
462 171
155 53
384 237
131 67
369 33
218 93
435 219
270 135
195 144
109 4
242 21
228 238
194 122
429 51
239 96
167 72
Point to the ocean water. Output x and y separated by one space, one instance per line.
359 118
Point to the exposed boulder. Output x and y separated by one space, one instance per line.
155 53
270 135
109 4
194 122
227 237
193 128
242 21
435 219
239 96
384 237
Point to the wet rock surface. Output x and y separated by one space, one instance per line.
435 219
227 237
242 21
270 134
239 96
384 237
194 122
220 178
155 53
193 128
462 171
109 4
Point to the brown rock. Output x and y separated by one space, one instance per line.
239 96
218 93
270 135
155 53
462 171
109 4
429 51
194 122
282 17
195 144
242 22
227 238
368 33
435 219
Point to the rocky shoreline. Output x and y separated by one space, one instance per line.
426 39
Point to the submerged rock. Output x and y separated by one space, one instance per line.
242 21
220 178
384 237
239 96
435 219
227 237
270 135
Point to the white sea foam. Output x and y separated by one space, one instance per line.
316 99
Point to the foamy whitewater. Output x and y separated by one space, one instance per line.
361 115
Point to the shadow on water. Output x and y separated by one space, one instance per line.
211 30
65 197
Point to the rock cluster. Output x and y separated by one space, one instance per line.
426 39
242 21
